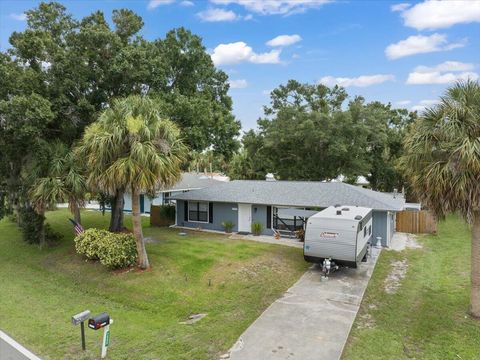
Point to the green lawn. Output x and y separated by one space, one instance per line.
41 289
427 317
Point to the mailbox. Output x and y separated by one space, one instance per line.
80 317
99 321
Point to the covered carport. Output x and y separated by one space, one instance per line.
287 221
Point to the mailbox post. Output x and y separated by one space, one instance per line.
106 339
80 319
98 322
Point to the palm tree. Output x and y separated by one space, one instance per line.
442 161
132 147
56 176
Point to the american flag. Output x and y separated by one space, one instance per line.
76 227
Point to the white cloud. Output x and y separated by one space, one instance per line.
444 73
248 17
237 52
435 77
153 4
238 84
217 15
400 7
284 40
433 14
360 81
187 3
447 66
275 7
423 104
403 102
19 17
420 44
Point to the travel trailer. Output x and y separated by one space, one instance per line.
340 234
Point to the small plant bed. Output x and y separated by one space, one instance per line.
416 304
233 281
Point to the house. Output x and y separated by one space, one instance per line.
280 205
189 181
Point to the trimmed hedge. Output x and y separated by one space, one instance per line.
113 250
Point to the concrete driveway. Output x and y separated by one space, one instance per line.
311 321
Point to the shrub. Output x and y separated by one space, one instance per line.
228 226
31 225
257 228
51 236
88 242
162 215
114 250
118 251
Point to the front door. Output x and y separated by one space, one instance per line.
142 203
244 217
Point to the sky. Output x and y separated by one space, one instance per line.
403 53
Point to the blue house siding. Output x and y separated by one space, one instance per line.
229 212
380 228
259 214
221 212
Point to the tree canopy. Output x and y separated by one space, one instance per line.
309 133
61 72
442 161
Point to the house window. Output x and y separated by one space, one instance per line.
198 211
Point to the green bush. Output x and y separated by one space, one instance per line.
228 226
88 242
114 250
162 215
118 251
257 228
31 224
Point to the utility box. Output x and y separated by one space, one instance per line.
99 321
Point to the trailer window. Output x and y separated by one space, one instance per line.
364 231
370 230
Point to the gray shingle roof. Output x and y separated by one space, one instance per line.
295 193
192 181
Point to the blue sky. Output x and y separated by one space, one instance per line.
405 53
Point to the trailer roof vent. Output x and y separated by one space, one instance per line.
358 217
339 212
337 205
345 209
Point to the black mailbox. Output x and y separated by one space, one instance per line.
99 321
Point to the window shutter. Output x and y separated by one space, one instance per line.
185 210
210 212
269 217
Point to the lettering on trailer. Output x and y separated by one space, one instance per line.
328 234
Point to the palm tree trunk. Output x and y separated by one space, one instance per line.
42 231
475 275
137 231
116 218
76 213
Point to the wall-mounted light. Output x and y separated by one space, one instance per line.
255 210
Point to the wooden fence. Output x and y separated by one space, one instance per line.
416 222
162 215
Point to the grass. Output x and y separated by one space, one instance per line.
427 318
41 289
